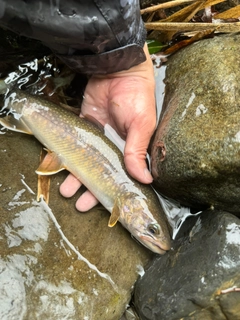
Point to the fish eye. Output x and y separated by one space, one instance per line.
154 229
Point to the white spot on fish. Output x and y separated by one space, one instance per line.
35 107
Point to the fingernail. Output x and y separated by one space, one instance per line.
148 175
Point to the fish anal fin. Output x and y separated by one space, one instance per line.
51 164
115 214
13 124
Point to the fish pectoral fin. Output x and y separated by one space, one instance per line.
13 124
115 214
51 164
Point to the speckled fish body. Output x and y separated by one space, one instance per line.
80 147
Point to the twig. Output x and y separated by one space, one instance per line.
193 26
165 5
233 289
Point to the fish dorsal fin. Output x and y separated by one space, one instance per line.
51 164
115 214
13 124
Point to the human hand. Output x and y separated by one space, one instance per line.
126 101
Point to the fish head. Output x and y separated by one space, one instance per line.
146 223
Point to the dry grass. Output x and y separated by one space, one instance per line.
197 19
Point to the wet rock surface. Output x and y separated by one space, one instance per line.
196 150
200 278
57 263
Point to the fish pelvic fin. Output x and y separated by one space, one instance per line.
13 124
115 215
51 164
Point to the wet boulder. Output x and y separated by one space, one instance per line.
56 263
196 149
197 280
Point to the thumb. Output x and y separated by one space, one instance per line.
135 153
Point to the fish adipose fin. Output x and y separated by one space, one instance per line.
13 124
115 214
51 164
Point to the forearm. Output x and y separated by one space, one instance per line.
93 37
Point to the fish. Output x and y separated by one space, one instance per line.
75 144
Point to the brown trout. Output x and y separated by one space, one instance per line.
75 144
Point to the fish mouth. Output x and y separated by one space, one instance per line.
153 245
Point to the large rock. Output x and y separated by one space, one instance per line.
199 279
83 270
196 150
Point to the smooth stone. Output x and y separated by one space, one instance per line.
196 149
55 262
197 280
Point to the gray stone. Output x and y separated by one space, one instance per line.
56 263
196 150
200 278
